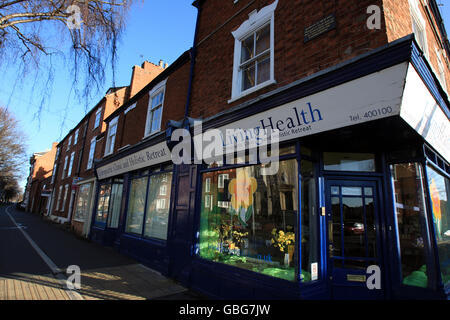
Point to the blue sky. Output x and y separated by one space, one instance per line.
156 29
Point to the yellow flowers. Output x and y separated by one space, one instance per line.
281 239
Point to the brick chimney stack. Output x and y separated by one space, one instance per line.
143 74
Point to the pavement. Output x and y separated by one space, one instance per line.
35 255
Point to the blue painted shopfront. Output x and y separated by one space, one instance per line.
371 194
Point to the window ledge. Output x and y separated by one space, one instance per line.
151 134
108 154
252 90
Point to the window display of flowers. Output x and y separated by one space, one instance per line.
282 239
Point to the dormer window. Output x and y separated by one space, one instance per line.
254 53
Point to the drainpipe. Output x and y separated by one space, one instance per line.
191 74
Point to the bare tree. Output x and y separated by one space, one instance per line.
82 34
12 151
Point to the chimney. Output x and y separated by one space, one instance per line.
161 63
143 75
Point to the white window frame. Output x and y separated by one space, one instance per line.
159 88
66 189
441 70
161 204
223 204
208 202
221 180
69 171
69 142
91 153
54 173
418 21
98 115
75 137
163 190
256 20
208 185
58 202
109 147
65 166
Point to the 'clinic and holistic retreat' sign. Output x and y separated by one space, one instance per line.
150 156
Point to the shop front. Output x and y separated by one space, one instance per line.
133 204
358 208
82 212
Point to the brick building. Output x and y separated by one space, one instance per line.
135 174
357 91
75 182
38 184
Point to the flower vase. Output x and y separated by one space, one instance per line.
286 259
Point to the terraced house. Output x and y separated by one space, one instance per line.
74 178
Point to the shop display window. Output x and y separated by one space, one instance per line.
439 188
411 222
149 204
249 220
136 205
158 204
109 204
82 204
103 205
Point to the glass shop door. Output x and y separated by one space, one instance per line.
353 233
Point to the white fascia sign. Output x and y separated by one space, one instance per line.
421 111
150 156
372 97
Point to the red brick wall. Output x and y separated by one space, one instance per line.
143 75
293 58
131 126
399 24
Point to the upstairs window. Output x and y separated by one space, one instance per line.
65 166
75 137
111 138
54 173
91 153
66 189
419 26
254 53
69 143
441 74
69 172
155 107
58 202
98 115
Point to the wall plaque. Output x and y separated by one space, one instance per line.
320 27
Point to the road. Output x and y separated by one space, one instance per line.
34 256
